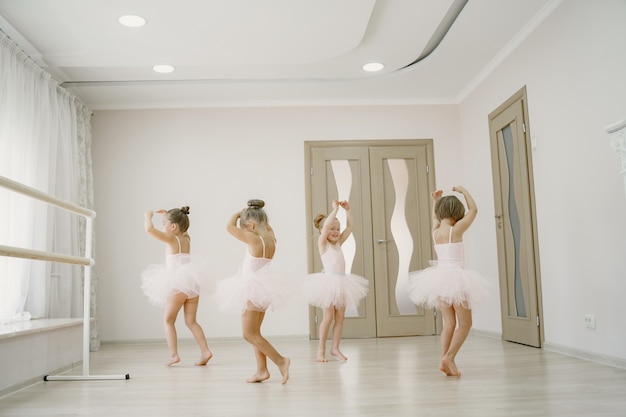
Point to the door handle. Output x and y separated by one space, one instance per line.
381 241
499 217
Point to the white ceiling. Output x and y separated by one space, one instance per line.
269 52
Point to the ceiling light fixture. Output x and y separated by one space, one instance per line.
163 69
373 67
132 21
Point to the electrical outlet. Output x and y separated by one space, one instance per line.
590 321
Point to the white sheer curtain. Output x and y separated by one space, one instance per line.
45 142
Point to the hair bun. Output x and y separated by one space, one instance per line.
318 221
185 209
256 204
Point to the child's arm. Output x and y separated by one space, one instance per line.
436 195
328 221
152 231
472 210
244 235
349 222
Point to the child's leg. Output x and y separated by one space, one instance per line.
327 318
449 324
261 365
190 309
172 307
464 318
261 359
340 315
251 325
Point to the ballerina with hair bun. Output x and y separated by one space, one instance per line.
177 283
256 287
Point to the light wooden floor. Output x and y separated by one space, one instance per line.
383 377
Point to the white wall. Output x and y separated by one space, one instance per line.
214 160
574 66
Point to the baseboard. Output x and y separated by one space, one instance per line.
564 350
209 339
581 354
38 379
486 333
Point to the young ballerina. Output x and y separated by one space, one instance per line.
176 284
333 290
255 288
447 285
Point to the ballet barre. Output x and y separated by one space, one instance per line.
87 262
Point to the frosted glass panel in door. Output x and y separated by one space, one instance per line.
401 234
343 181
511 201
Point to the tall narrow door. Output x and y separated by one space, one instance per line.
388 185
402 241
516 228
342 173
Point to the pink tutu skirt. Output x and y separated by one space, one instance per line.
158 282
449 284
257 291
326 289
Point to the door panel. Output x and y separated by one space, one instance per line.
343 174
515 225
402 242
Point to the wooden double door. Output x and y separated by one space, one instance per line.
388 185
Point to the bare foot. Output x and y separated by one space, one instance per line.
449 368
173 359
284 369
443 368
204 358
259 376
321 356
337 353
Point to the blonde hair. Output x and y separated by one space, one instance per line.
254 213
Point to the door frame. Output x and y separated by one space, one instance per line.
521 97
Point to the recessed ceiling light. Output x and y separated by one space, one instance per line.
132 21
373 67
163 69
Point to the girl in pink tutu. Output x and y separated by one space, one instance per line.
256 287
447 285
333 290
176 284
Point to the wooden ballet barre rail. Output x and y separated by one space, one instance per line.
38 255
39 195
